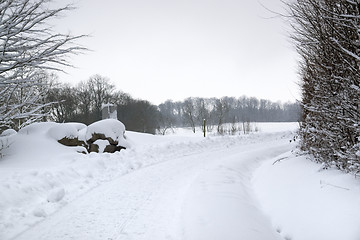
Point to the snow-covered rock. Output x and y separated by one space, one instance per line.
110 128
110 131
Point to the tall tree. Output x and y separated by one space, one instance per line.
167 119
202 112
221 109
84 99
101 91
65 105
189 113
28 45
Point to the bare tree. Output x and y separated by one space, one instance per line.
202 112
66 102
84 99
221 109
189 113
101 91
167 118
28 45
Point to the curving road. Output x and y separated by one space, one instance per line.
204 195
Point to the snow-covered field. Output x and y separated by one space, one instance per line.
177 186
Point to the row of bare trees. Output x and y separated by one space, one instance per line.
82 103
326 34
217 111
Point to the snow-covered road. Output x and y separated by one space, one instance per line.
200 195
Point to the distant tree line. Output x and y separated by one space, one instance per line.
217 111
83 103
327 37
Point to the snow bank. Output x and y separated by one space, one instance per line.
306 202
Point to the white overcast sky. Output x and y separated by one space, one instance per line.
173 49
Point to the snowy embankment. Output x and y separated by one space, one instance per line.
302 202
306 202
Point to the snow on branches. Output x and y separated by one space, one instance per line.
326 35
28 47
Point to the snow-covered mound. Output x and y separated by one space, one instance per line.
61 131
37 128
8 132
33 144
